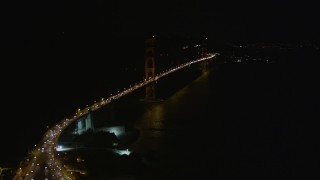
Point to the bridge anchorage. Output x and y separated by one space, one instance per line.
84 123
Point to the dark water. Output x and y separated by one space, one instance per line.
238 121
182 136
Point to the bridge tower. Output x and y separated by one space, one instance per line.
150 67
204 53
204 47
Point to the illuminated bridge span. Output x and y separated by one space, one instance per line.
44 163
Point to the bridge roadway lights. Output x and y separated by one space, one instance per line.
56 130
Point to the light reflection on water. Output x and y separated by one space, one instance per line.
153 118
167 127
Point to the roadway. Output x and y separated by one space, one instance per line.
44 163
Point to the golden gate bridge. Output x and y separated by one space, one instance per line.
44 157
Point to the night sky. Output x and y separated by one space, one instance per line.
60 23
